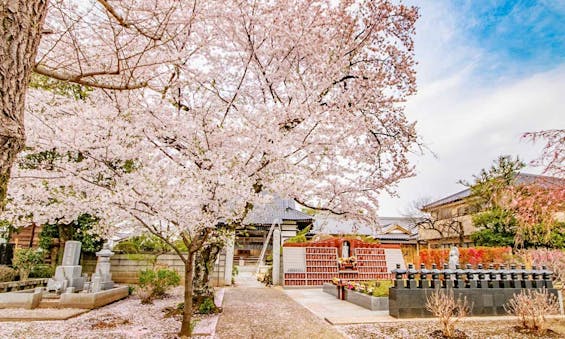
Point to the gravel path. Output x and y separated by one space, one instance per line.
268 313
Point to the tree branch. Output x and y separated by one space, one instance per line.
79 79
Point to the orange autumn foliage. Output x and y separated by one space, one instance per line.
471 255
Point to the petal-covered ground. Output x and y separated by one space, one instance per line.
127 318
423 328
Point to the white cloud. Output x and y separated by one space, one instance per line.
467 120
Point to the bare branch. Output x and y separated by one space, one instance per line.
79 79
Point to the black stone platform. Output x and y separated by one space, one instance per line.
486 290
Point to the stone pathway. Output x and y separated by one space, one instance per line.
333 310
247 278
255 312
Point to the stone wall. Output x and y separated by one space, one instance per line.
125 267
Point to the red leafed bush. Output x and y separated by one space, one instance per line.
472 255
434 256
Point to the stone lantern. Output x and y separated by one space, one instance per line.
102 278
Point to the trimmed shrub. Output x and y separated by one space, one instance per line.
7 273
25 259
154 284
42 271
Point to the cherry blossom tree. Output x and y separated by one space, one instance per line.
116 45
552 158
302 99
541 202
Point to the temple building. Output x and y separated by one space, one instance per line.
250 239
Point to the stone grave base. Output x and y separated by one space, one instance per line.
40 314
29 299
92 300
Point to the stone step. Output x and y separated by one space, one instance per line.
49 303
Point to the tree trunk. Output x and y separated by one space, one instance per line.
461 235
186 328
20 30
204 265
60 245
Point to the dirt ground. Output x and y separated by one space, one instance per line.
500 329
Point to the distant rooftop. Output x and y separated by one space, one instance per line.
389 227
278 208
521 178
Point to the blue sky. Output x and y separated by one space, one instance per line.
488 71
521 36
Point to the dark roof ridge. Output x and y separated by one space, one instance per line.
466 192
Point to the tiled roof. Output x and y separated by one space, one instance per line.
521 178
281 209
449 199
396 236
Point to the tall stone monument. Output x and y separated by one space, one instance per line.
102 278
69 273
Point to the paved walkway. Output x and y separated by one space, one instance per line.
246 277
251 312
340 312
337 312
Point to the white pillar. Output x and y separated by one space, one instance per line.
276 256
230 243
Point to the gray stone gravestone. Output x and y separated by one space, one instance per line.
69 274
71 256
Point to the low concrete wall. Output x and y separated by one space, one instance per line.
92 300
125 267
28 299
21 285
357 298
367 301
330 288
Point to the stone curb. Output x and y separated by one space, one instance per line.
208 326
